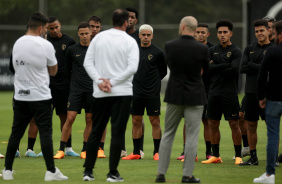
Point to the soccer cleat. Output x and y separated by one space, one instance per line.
238 160
59 155
132 157
70 152
7 174
265 179
142 154
156 156
250 162
83 155
160 178
101 153
88 177
186 179
57 176
181 157
196 159
2 156
17 154
245 151
30 153
123 154
114 177
40 154
213 159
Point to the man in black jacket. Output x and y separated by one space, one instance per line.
185 94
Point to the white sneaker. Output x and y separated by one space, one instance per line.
7 174
265 179
30 153
1 156
49 176
245 151
123 154
142 154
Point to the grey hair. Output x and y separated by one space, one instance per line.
145 27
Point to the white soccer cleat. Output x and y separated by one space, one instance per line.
245 151
123 154
70 152
142 154
57 176
30 153
2 156
7 174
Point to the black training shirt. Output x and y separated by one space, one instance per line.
151 70
206 78
60 45
135 35
75 72
224 69
251 63
270 78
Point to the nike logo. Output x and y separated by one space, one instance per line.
157 111
252 52
77 55
215 53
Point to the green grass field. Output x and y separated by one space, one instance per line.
32 170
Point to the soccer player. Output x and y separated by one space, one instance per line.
146 91
111 61
223 99
81 88
251 63
270 98
132 21
32 94
95 27
59 85
270 20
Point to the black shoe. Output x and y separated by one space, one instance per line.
186 179
160 178
114 177
88 177
280 158
250 162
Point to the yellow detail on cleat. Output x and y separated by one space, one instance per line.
59 155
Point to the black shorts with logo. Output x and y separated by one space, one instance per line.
79 100
152 105
253 110
60 99
226 104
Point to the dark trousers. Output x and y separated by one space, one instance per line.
118 109
42 112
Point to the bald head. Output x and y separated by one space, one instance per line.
188 25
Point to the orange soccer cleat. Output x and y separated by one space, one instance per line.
59 155
213 159
101 153
132 157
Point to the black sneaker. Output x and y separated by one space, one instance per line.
160 178
250 162
186 179
114 177
88 177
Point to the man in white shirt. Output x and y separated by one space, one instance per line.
33 60
111 60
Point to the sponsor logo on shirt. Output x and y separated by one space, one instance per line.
24 92
20 62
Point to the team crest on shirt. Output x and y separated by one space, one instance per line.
150 56
229 54
68 105
64 46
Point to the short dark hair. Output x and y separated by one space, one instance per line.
278 26
203 25
95 19
132 10
83 25
260 22
119 17
36 20
269 19
224 23
52 19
